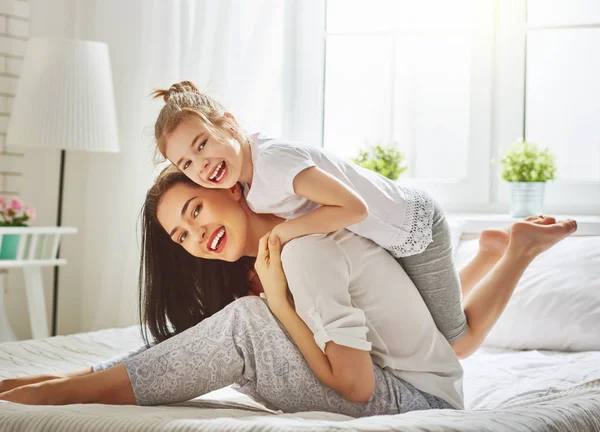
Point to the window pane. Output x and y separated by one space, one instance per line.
563 12
380 15
432 111
360 15
357 92
563 99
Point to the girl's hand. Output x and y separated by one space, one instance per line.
270 271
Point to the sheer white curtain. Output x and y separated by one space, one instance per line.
239 51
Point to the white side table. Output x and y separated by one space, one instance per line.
38 247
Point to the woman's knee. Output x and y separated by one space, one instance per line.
249 303
247 312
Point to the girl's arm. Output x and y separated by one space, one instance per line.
341 206
347 370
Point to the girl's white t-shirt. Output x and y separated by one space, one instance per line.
400 217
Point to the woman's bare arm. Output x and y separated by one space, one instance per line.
347 370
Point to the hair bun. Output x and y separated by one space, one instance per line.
177 88
183 87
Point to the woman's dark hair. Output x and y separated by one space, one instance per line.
175 287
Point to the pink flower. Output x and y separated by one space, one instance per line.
2 202
16 204
30 212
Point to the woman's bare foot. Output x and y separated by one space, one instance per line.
495 241
539 235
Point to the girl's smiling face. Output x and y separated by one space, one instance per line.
207 160
207 223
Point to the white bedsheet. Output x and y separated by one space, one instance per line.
504 390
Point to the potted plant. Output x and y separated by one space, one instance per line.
13 214
383 159
527 168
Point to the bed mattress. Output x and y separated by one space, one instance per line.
504 390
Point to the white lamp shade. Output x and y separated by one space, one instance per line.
64 98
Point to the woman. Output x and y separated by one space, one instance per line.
409 366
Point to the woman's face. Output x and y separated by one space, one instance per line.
208 223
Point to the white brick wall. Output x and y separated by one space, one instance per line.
17 27
14 31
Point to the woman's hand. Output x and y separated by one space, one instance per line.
270 271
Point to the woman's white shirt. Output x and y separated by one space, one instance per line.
400 217
350 291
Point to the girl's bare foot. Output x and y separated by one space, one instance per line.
537 236
495 241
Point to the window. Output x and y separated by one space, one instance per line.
417 74
562 104
453 83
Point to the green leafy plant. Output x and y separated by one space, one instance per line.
526 162
383 159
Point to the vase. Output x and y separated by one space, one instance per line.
526 198
10 245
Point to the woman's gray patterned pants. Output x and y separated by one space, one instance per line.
244 344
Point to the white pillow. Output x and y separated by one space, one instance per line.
556 305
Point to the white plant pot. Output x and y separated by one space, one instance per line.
526 198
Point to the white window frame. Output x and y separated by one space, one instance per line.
474 188
498 72
510 113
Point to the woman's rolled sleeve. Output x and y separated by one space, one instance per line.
349 330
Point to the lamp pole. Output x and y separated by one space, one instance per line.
61 180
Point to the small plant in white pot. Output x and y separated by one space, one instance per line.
527 168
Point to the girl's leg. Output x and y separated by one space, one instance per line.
435 276
486 303
439 284
492 246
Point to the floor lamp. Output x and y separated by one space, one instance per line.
65 101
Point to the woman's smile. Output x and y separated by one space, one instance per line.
217 240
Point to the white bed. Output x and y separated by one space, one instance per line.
505 390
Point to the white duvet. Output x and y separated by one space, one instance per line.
504 390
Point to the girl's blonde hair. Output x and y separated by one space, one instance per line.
183 101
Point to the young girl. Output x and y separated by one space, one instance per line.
317 192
